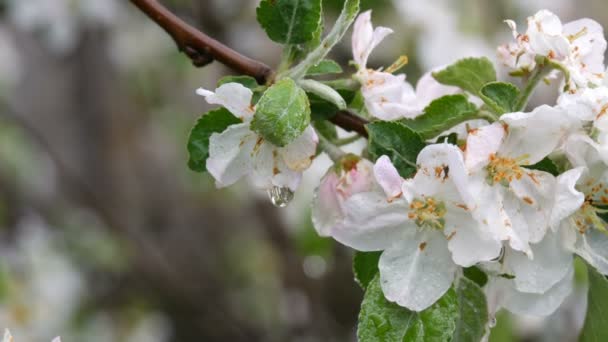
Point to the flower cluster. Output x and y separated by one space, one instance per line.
485 202
514 193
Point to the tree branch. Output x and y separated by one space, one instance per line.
201 48
350 122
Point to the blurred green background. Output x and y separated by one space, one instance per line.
105 235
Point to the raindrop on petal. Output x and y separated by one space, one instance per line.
280 196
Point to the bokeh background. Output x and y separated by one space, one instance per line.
106 235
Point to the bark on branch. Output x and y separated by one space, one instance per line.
201 48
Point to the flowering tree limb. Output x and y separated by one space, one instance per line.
202 50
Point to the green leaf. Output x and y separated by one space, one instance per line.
383 321
500 97
365 267
470 74
472 312
215 121
347 16
290 21
459 316
282 114
326 66
398 142
247 81
596 320
475 274
442 114
546 165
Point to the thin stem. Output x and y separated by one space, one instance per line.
333 151
537 76
347 140
201 48
343 83
335 35
484 114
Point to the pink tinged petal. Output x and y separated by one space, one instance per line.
230 154
298 155
387 176
333 190
327 205
371 223
468 242
550 264
567 199
481 144
234 96
522 303
417 270
532 136
365 38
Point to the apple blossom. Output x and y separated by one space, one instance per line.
388 96
578 46
238 151
516 201
424 225
349 176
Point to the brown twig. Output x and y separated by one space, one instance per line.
203 49
350 122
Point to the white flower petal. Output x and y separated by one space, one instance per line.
387 176
428 89
532 136
234 96
567 198
589 45
298 155
481 144
522 303
593 247
440 171
230 154
371 223
536 191
468 242
417 270
545 35
365 38
388 96
550 264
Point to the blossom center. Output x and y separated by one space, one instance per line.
587 218
427 213
504 170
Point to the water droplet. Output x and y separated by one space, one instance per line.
280 196
492 322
